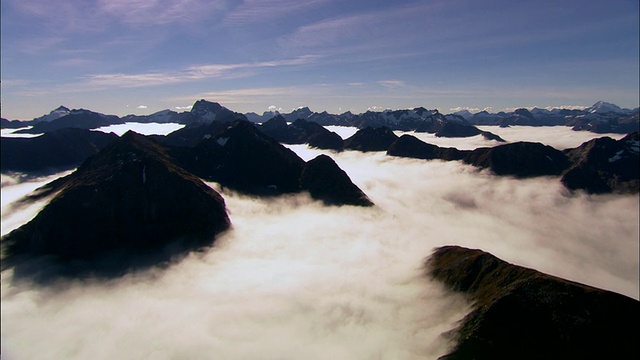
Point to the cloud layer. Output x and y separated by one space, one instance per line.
295 279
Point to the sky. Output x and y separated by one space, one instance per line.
141 56
296 279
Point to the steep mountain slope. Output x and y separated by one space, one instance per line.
520 313
130 198
605 165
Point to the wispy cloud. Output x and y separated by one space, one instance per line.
392 84
253 11
245 96
39 45
159 12
92 15
191 73
342 29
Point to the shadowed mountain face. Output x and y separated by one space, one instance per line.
52 152
129 198
601 165
371 139
326 181
521 159
410 146
605 165
520 313
301 132
243 158
132 204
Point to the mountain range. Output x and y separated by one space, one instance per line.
601 117
140 201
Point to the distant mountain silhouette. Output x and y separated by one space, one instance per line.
77 119
598 166
602 117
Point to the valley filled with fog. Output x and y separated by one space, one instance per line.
296 279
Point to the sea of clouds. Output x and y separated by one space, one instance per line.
295 279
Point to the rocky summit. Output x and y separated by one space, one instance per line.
605 165
371 139
129 198
325 181
520 313
243 158
301 132
520 159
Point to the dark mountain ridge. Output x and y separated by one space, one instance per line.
601 117
51 152
520 313
129 200
601 165
136 197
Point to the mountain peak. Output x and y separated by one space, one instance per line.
128 197
57 113
208 111
604 107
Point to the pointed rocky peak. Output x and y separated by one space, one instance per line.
59 112
325 181
205 105
524 112
253 161
277 122
278 128
371 139
302 112
208 111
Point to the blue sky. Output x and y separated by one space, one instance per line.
141 56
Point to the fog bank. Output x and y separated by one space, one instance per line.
142 128
295 279
559 137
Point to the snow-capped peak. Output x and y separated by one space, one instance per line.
602 107
54 114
